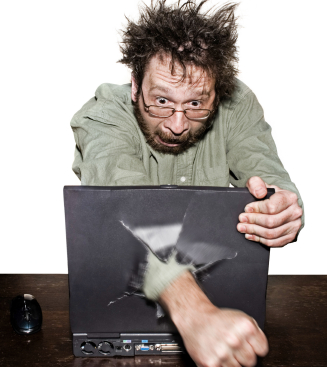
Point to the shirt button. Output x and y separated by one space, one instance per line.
183 179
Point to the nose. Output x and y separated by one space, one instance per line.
177 123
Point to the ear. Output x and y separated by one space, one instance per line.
134 89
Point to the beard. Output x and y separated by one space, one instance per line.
184 142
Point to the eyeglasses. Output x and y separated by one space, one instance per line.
190 113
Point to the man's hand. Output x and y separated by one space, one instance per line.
274 222
213 337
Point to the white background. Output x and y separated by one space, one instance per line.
55 54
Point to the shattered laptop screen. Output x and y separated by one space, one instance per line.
111 231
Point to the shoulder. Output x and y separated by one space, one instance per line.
240 94
243 103
113 93
108 98
111 105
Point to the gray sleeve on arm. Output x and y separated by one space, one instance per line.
159 275
251 150
106 154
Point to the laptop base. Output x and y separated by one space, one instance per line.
125 345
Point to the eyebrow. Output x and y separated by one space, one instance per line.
167 90
161 88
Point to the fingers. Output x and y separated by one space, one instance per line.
257 187
277 242
225 358
270 236
255 343
270 233
224 338
222 357
259 343
246 356
272 221
277 203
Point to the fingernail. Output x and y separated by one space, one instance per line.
243 219
248 209
248 236
242 229
259 192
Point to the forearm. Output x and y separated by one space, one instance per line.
182 297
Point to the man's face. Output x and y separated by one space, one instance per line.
176 133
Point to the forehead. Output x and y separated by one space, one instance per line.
159 71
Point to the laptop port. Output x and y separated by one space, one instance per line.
144 348
105 347
88 347
119 349
127 347
168 348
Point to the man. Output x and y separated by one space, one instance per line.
187 120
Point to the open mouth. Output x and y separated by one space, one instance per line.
167 144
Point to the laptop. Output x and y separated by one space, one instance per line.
110 232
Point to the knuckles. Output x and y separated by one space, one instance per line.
270 222
220 357
271 207
298 212
234 342
292 197
271 234
247 326
223 356
282 200
297 226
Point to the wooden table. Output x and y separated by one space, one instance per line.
296 325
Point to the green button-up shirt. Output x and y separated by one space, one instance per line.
111 150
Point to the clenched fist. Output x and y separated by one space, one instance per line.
213 337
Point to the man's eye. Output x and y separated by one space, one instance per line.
162 100
195 103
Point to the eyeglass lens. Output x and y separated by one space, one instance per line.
167 112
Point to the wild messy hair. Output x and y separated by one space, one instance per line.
189 36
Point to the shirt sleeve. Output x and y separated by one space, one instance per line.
106 153
160 275
251 150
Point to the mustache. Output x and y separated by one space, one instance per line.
170 139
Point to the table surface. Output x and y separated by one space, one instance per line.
296 325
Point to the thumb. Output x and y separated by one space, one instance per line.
257 187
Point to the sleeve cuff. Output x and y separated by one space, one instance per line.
160 275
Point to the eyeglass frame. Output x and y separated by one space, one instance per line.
174 110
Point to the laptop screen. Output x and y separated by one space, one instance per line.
110 231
